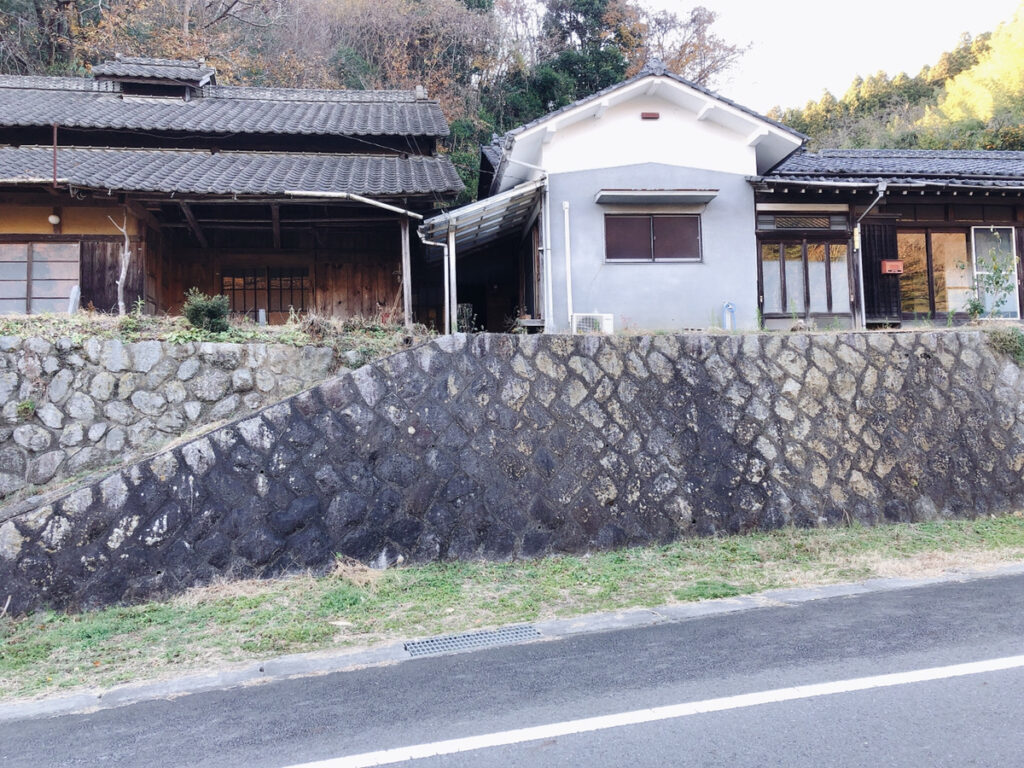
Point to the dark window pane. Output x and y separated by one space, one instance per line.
676 237
802 222
627 237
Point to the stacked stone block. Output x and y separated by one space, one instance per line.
519 446
67 407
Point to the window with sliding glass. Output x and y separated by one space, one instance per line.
938 271
652 237
803 278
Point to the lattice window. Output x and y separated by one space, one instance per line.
277 290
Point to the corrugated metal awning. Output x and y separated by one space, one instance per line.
487 220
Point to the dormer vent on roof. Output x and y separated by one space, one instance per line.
175 78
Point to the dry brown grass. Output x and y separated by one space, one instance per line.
352 571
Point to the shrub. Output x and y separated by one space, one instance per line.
207 312
1009 340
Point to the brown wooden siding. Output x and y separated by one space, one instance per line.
354 273
101 265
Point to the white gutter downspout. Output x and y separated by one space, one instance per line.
882 186
356 199
444 268
568 261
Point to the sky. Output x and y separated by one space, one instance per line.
799 48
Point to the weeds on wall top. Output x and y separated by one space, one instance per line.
1008 339
369 337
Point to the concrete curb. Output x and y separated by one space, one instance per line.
326 662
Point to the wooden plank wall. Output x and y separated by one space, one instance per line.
101 265
358 273
359 284
152 264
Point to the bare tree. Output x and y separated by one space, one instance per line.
126 259
688 45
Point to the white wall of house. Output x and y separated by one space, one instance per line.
620 137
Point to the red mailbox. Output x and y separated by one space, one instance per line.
892 266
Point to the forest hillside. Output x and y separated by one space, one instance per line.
972 97
492 64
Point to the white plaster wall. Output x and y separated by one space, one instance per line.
620 138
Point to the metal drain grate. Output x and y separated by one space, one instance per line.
472 640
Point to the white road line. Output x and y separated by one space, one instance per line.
637 717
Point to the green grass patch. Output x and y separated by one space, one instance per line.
48 652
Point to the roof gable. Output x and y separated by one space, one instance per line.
772 140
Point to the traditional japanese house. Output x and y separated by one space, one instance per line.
657 204
282 199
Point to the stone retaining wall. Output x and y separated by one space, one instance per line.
510 446
66 407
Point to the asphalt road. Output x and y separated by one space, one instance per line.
972 719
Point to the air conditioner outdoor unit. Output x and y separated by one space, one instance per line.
592 322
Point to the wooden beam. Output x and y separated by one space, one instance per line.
143 214
275 220
406 273
193 224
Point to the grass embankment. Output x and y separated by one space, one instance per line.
48 652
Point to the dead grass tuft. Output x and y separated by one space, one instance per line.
929 564
354 572
223 588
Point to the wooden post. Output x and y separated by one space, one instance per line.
406 273
453 311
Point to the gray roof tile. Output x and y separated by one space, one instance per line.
161 69
87 103
904 167
225 173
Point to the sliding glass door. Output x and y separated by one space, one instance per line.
804 278
943 271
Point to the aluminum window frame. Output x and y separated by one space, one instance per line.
651 216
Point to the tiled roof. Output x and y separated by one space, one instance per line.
162 69
904 167
88 103
226 173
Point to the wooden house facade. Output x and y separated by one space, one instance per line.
282 199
